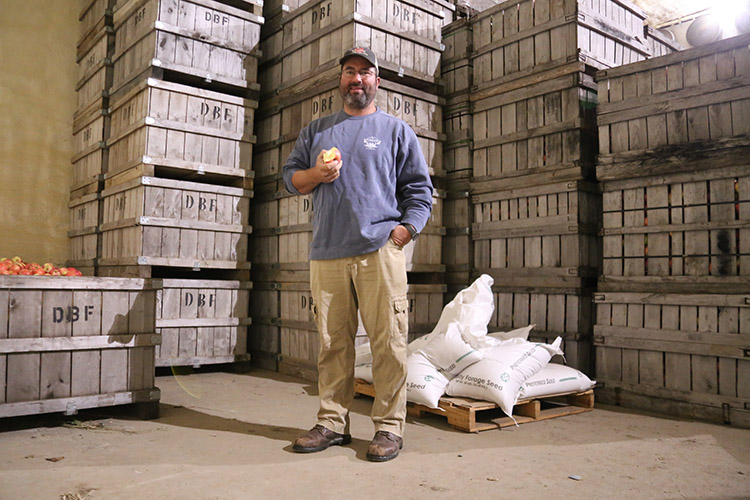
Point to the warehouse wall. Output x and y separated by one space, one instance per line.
37 101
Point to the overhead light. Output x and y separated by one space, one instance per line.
726 15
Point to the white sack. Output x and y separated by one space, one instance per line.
449 352
518 333
363 371
499 376
425 385
555 379
471 308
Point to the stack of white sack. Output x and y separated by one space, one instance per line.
460 358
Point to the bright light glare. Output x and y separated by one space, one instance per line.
725 14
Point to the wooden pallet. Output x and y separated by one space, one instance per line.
471 415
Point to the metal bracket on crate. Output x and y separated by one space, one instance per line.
196 266
71 409
147 159
746 352
149 120
156 62
208 78
201 170
400 72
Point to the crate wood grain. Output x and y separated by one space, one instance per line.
199 38
455 64
517 38
697 94
83 230
282 117
694 224
95 72
543 123
457 148
185 131
94 16
404 34
538 236
473 415
90 133
68 343
165 222
689 349
282 233
202 322
458 247
565 313
659 44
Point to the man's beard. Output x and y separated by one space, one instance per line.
359 100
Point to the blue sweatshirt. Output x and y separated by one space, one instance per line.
383 181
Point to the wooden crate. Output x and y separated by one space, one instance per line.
94 16
542 123
95 71
282 233
457 148
182 131
472 415
68 343
518 38
282 117
83 230
202 322
658 43
405 35
679 227
90 132
697 94
680 354
252 6
556 313
164 222
458 247
538 236
203 39
456 65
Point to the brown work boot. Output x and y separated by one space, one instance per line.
318 439
384 446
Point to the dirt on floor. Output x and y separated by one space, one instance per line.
228 436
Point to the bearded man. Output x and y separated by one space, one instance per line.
367 205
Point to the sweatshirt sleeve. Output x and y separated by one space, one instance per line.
298 160
413 184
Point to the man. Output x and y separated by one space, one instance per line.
367 206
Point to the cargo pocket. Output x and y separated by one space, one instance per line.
401 319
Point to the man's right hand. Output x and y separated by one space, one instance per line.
307 180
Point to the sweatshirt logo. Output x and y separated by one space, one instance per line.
372 143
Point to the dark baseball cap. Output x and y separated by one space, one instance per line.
362 52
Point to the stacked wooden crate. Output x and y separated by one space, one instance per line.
90 131
536 208
672 329
299 75
176 197
69 343
457 80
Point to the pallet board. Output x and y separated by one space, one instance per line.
697 94
163 222
202 322
691 350
470 415
186 132
199 38
72 343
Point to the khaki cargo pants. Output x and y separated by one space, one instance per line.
374 283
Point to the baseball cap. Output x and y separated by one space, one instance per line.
363 52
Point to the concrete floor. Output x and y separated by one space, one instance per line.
227 436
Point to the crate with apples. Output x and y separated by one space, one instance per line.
17 266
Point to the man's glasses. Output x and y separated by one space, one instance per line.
364 73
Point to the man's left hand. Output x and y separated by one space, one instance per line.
400 235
